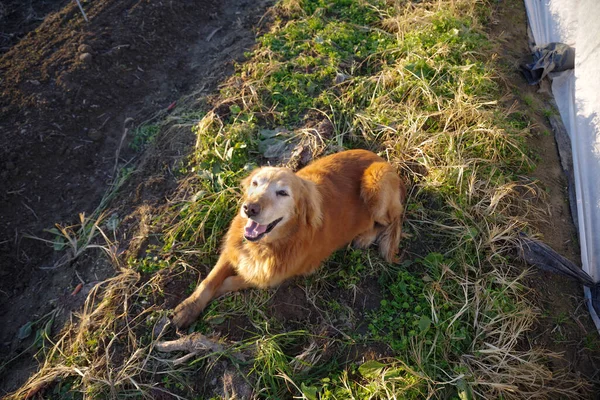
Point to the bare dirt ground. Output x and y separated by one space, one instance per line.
63 114
62 118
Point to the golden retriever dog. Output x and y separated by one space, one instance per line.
290 222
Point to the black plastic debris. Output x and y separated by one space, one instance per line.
544 257
565 152
554 57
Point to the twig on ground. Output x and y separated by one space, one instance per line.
82 12
30 209
193 344
104 123
127 124
210 35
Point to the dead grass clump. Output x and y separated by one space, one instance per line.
501 362
512 374
105 350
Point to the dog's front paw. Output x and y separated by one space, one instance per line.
185 314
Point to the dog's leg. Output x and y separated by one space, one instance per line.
389 240
367 238
190 308
384 193
392 234
232 284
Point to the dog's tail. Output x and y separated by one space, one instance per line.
384 193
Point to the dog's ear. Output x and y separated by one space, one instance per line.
247 180
309 204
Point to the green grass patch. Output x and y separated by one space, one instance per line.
143 136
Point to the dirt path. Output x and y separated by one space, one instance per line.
67 90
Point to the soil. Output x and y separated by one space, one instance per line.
71 94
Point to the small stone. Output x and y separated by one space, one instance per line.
339 78
160 326
94 134
86 58
84 48
325 129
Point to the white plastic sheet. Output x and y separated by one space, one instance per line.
577 94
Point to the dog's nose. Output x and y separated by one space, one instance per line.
251 209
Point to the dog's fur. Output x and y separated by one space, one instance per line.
349 196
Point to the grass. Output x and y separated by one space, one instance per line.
143 136
78 238
415 82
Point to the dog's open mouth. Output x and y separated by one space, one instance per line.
254 231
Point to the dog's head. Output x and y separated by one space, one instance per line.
276 202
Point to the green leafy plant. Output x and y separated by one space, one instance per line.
142 136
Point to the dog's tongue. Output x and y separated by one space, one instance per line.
253 228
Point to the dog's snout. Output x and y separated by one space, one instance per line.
251 209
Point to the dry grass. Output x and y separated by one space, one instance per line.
102 348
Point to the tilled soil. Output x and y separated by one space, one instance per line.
71 93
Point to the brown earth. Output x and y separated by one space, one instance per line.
67 92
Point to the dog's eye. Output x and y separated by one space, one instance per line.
281 193
254 183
